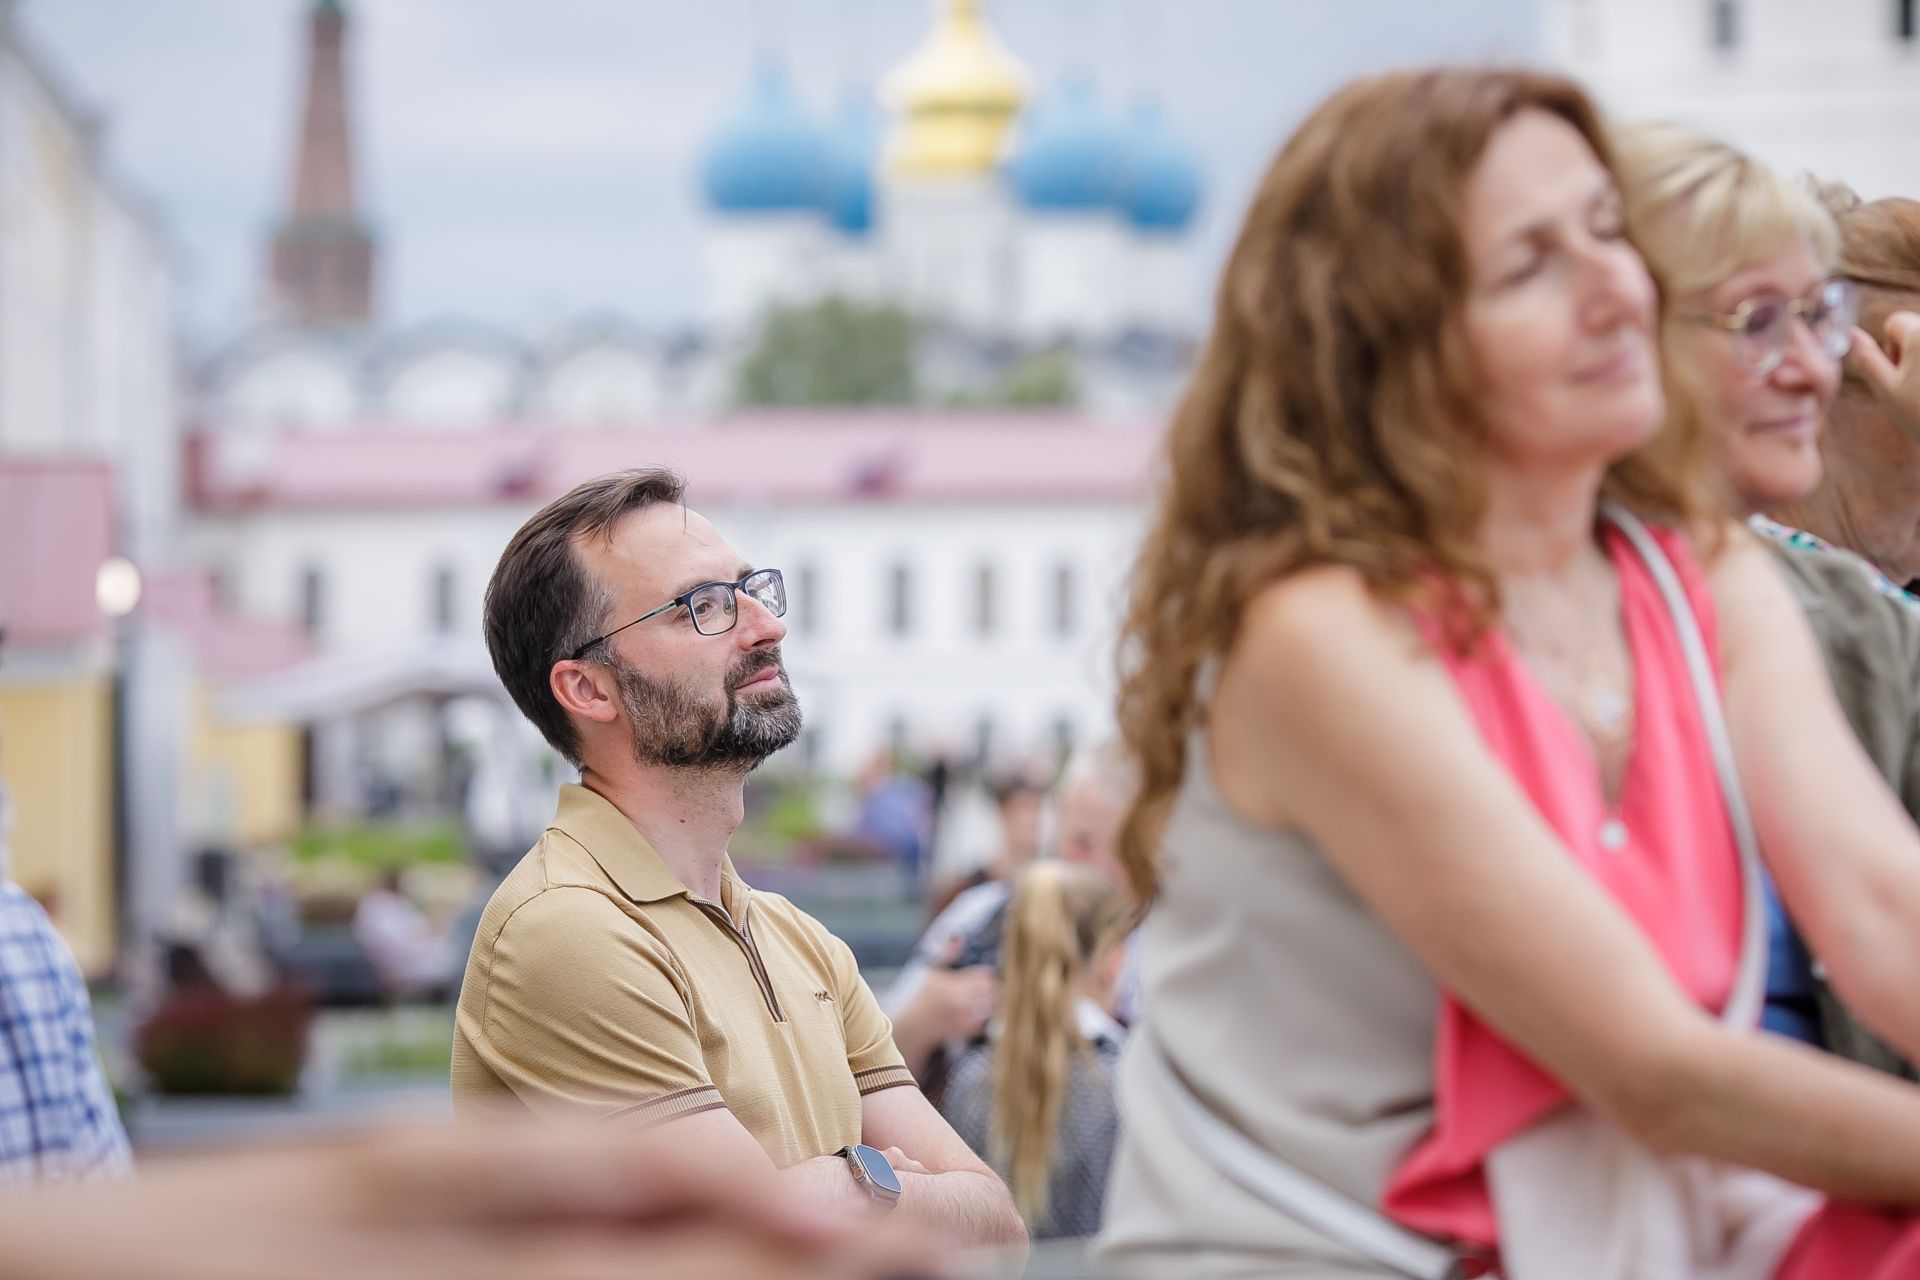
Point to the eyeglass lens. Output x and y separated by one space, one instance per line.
1768 328
714 609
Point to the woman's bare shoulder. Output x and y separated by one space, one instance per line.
1321 620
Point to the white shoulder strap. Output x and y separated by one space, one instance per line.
1749 988
1307 1200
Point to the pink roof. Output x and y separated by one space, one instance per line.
786 459
57 527
225 646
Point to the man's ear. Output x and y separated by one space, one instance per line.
584 689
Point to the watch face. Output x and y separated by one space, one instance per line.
878 1171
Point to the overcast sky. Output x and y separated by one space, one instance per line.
524 160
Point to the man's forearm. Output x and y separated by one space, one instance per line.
970 1209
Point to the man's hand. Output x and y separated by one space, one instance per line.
902 1162
959 1001
1893 374
950 1004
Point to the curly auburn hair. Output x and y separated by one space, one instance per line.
1333 415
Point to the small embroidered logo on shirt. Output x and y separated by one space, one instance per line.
824 997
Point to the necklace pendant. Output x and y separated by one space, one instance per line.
1607 714
1613 835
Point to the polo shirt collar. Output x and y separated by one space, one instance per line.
591 821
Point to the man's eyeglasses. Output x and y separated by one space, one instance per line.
712 607
1762 326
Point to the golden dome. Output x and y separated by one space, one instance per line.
956 95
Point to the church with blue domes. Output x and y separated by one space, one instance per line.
1006 216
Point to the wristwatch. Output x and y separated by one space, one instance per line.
873 1172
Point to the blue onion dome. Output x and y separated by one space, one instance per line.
853 144
1071 155
768 155
1160 181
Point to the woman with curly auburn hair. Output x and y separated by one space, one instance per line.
1456 951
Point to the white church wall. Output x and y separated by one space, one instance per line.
756 261
1159 281
952 251
451 388
599 383
306 387
1827 89
1075 270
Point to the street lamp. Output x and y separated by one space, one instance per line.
116 587
116 591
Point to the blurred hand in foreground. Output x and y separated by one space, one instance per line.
505 1202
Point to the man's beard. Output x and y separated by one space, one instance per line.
675 726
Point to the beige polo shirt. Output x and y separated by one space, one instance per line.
598 985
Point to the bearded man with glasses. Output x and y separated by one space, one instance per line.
623 971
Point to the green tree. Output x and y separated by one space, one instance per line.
831 352
1043 379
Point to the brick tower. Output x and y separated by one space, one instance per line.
322 259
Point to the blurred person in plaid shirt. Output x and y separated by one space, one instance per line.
57 1116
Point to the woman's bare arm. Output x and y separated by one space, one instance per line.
1332 717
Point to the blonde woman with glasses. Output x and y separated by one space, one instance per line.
1762 292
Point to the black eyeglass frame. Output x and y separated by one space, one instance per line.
774 578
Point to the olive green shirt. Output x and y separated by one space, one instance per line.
1871 643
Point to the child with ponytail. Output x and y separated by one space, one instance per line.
1036 1097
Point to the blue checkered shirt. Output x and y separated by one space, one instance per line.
57 1117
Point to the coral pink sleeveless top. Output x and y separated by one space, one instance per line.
1665 853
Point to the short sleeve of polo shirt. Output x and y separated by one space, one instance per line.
871 1055
584 1015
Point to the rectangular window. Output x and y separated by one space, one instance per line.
1062 610
443 599
899 600
1906 22
983 740
220 588
313 600
983 593
1726 24
803 600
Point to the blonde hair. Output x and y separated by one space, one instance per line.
1701 210
1060 920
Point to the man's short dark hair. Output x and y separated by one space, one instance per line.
542 603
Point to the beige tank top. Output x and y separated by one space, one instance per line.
1295 1016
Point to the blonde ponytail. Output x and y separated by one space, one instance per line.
1060 918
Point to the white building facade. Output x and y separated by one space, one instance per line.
954 585
1830 88
90 459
